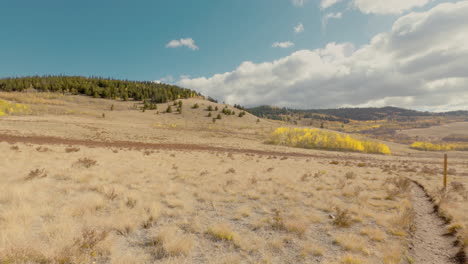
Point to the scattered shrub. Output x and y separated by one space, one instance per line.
342 218
72 149
14 148
169 109
37 173
457 186
226 111
111 194
130 203
42 149
350 175
89 239
86 162
195 106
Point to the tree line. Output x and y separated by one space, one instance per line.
99 87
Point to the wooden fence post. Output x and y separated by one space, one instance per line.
445 171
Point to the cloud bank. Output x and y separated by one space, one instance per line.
422 63
384 7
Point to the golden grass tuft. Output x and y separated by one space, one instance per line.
350 259
170 241
221 231
351 242
298 226
374 234
392 254
313 249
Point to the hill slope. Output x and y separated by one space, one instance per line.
346 114
98 87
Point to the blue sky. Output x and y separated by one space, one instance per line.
127 39
358 52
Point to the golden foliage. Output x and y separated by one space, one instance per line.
427 146
34 98
7 108
320 139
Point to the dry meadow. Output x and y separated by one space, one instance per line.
201 191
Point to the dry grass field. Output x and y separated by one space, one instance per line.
180 188
437 133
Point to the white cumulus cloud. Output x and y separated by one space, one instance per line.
329 16
299 28
324 4
298 2
187 42
421 63
284 45
387 7
166 79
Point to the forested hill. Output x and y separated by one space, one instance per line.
98 87
343 114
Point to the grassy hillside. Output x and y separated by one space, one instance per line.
347 114
98 87
381 123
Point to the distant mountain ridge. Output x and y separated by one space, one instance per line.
346 114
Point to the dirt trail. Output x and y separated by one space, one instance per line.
45 140
430 243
